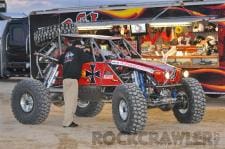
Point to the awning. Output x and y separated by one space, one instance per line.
150 20
217 20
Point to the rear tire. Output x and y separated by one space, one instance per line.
129 109
88 108
193 110
30 102
90 103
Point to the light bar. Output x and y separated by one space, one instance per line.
170 24
94 27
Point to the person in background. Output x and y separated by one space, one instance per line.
211 45
151 36
116 31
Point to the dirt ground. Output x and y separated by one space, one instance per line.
162 129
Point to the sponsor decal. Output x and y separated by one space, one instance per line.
109 77
85 17
92 74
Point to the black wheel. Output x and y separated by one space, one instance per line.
90 93
129 109
57 99
89 108
214 95
193 102
30 103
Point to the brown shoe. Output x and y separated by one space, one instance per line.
72 125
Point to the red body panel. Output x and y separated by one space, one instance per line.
151 65
98 74
101 73
156 69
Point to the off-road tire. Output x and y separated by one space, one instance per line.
41 102
91 110
137 108
196 102
90 93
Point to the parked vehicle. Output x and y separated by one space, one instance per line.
115 72
14 60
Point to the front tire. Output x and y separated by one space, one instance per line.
129 109
192 108
30 103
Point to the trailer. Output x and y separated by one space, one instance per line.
159 13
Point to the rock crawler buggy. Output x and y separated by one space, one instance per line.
115 72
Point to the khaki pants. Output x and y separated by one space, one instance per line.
70 91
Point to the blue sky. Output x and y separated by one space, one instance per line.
29 5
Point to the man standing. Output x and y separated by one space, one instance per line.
72 63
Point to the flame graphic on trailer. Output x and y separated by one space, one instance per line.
212 80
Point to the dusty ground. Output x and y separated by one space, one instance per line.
162 130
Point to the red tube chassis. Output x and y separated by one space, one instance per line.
101 73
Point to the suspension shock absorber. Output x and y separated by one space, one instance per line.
142 84
135 78
51 75
138 79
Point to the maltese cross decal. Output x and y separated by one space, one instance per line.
92 74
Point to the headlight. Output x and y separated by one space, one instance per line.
186 74
167 75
